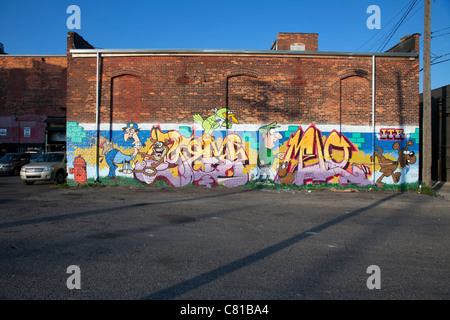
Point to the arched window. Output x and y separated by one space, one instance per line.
355 99
126 98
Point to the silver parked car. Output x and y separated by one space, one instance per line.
50 166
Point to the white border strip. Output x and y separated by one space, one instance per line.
247 127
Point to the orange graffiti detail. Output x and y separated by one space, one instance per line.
339 142
231 147
309 148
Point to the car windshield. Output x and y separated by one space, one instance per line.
34 156
9 158
50 157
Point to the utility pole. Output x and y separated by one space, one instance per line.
426 118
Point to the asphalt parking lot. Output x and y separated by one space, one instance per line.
157 243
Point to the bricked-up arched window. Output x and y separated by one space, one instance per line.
126 99
356 100
251 99
242 95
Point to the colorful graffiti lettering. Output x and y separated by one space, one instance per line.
392 134
201 161
214 156
310 158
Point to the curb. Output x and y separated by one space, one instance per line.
442 188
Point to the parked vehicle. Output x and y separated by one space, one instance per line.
33 154
13 162
50 166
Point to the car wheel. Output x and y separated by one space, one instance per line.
29 182
60 178
16 171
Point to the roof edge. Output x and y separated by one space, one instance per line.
33 55
249 52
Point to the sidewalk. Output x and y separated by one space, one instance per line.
442 188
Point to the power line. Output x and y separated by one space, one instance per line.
440 30
378 33
438 57
391 32
397 26
440 35
433 63
440 62
418 9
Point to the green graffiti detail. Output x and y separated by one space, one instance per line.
290 131
185 131
357 139
222 117
251 138
75 133
416 136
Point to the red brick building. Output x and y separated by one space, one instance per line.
336 113
33 92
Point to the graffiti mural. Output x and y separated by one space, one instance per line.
115 157
202 161
388 167
220 151
268 151
310 159
392 134
222 117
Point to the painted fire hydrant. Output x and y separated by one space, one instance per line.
79 170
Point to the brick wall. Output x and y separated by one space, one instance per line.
32 85
310 40
309 89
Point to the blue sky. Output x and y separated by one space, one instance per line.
39 27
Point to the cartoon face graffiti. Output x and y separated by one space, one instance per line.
105 144
405 157
130 132
227 114
159 150
269 135
222 117
284 176
388 166
268 150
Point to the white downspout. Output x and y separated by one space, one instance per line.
97 117
373 116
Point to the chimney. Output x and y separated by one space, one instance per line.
2 48
75 41
407 43
296 41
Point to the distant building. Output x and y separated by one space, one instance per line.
440 128
32 102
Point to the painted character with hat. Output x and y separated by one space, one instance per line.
114 156
268 151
